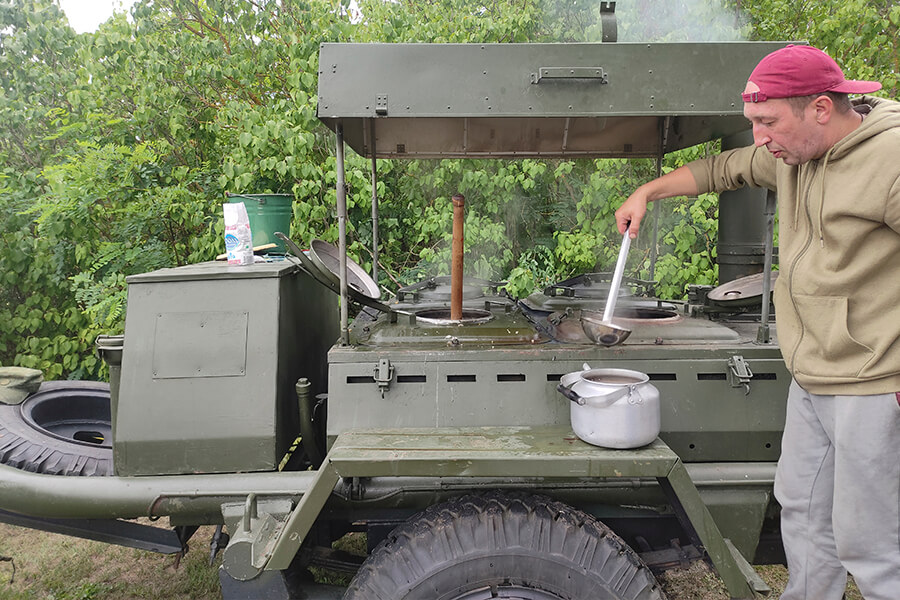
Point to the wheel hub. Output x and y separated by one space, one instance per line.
81 417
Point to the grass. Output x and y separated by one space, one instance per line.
54 567
699 582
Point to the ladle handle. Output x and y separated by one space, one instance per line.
616 282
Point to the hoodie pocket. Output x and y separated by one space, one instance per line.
827 349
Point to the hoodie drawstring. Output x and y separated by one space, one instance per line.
822 200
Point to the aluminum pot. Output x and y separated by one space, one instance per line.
612 408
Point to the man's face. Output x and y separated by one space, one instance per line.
792 138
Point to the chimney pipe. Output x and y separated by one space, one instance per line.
742 225
456 258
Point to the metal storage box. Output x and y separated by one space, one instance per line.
227 344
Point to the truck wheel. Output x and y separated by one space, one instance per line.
61 429
503 545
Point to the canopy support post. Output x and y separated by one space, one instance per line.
342 233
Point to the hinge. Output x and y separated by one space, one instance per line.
739 373
381 105
384 373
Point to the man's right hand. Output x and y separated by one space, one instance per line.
632 211
679 182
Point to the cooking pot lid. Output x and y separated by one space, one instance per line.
744 291
439 289
326 257
323 264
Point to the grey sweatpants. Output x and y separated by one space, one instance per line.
838 483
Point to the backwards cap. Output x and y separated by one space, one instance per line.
801 71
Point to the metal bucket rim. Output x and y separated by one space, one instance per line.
637 376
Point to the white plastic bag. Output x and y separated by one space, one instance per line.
238 238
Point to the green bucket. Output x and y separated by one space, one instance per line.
268 213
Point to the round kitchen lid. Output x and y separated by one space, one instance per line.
744 291
439 289
360 287
326 258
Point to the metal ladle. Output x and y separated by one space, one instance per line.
604 331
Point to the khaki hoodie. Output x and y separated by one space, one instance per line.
837 300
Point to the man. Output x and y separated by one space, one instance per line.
836 168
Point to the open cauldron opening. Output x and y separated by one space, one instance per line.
441 316
645 313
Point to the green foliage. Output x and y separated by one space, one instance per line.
860 34
118 146
536 269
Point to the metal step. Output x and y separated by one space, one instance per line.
540 452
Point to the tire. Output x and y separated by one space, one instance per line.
64 428
503 545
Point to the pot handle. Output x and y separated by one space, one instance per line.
601 401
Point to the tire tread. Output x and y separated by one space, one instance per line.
479 527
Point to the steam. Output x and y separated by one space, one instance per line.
679 21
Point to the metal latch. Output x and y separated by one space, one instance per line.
384 373
739 373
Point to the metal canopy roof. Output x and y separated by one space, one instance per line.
540 100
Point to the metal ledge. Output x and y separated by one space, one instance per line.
549 452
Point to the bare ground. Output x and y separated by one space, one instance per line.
54 567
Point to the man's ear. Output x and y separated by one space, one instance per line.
824 109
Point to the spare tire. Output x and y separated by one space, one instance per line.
64 428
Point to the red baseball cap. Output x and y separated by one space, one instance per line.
801 71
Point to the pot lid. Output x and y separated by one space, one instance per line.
590 291
744 291
439 289
591 285
326 258
322 262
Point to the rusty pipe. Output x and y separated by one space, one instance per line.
456 258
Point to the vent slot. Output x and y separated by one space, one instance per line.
662 376
411 378
460 378
360 379
503 377
553 376
711 377
765 376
